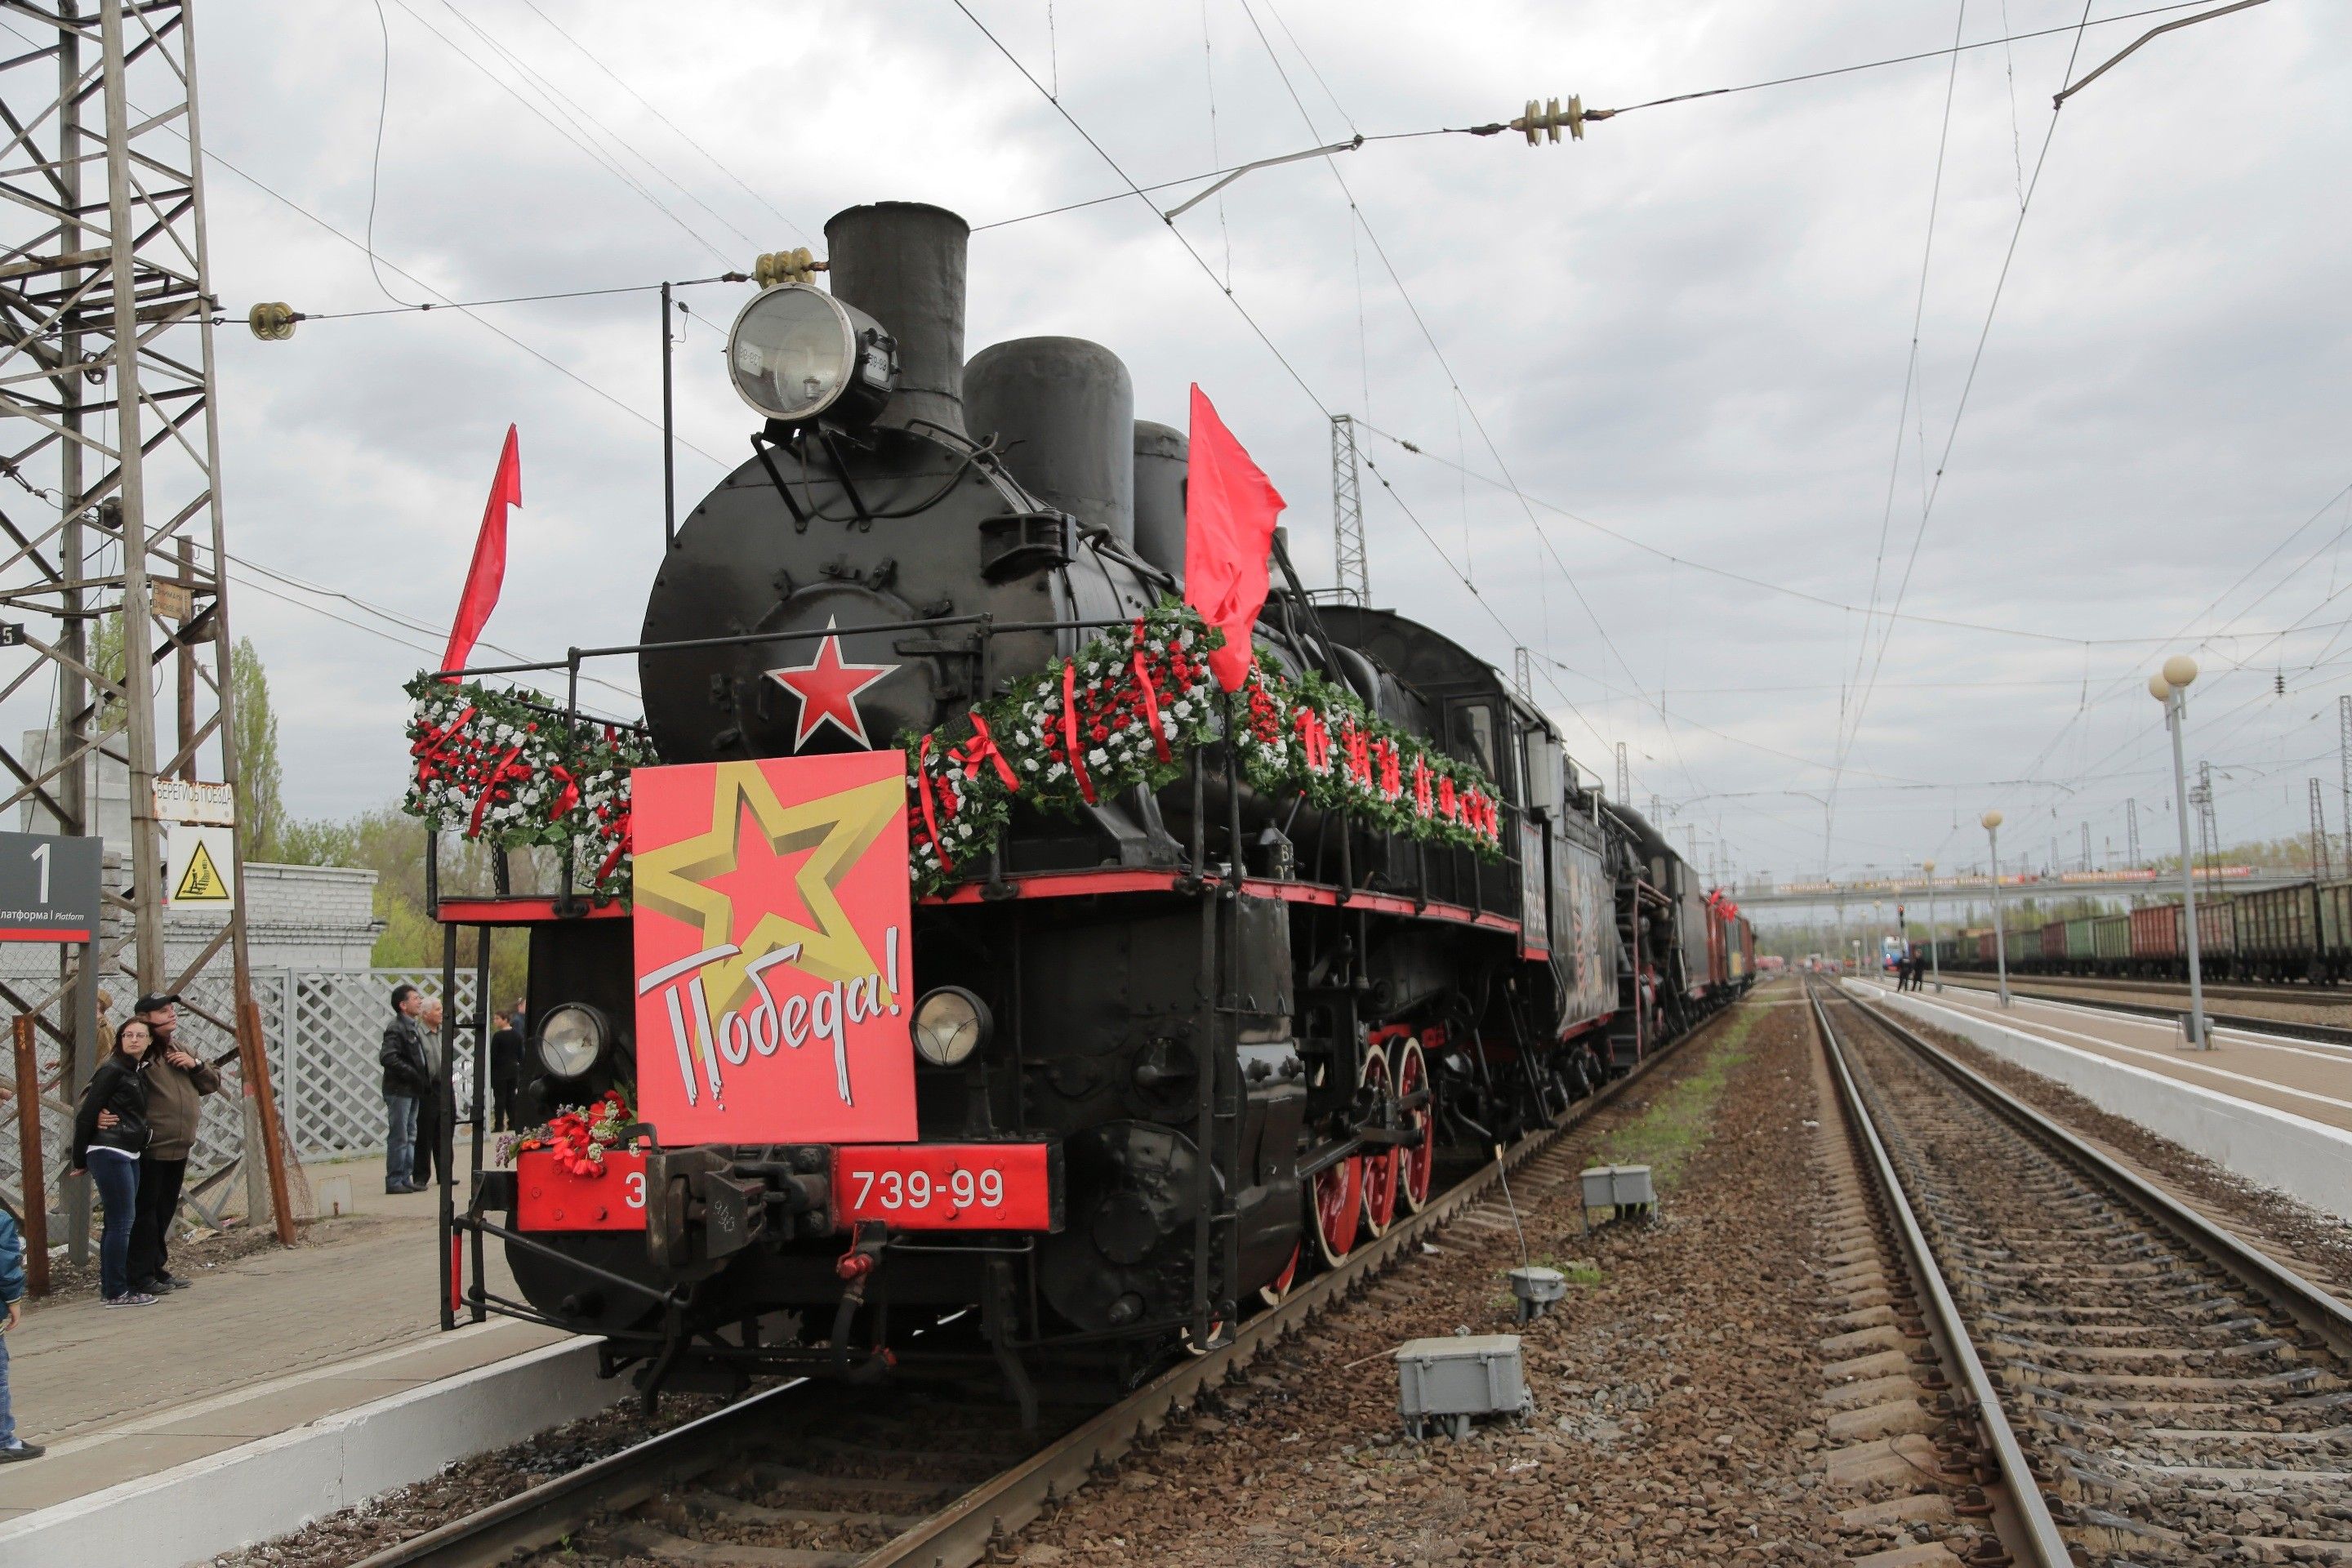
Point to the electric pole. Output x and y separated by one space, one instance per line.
1348 515
106 419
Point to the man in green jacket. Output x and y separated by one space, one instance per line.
177 1081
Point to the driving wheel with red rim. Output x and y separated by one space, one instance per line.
1272 1291
1336 1204
1381 1171
1415 1165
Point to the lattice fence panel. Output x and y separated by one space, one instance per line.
324 1029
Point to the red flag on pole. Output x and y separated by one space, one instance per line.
487 575
1229 510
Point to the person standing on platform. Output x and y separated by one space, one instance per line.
407 1079
177 1082
11 1295
428 1116
506 1070
109 1130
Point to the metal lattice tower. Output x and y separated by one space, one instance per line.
2086 846
1349 559
1523 674
107 429
2318 831
2208 833
2344 766
1624 776
2131 832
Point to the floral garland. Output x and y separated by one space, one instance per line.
1128 709
577 1135
490 766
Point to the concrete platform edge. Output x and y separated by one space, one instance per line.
268 1487
2304 1159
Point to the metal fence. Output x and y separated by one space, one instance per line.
323 1029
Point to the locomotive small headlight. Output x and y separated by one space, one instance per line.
572 1040
951 1023
797 353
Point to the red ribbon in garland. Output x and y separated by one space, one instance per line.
982 748
569 794
617 829
1150 698
1359 761
501 773
1314 739
1448 806
433 746
1421 792
1070 728
923 793
1391 770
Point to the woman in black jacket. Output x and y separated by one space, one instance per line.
110 1129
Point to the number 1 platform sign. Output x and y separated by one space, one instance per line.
49 886
772 965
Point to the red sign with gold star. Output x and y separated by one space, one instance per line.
772 960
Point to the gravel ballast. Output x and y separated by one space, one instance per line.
1674 1419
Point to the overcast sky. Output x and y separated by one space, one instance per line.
1688 336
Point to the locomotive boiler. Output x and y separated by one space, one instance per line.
1091 1095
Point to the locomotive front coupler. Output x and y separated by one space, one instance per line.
867 1243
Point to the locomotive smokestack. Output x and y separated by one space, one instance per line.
902 263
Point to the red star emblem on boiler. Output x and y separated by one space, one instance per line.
827 686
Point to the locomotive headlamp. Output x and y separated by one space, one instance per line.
572 1040
796 353
950 1025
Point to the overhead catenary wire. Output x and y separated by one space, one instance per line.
1462 401
1961 409
577 138
713 158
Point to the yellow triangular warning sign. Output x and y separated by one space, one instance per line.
202 881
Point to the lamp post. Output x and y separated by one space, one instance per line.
2170 686
1991 820
1935 959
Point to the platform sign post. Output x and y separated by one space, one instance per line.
50 894
28 1144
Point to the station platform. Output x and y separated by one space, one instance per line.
260 1345
2272 1108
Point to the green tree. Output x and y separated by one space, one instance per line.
260 805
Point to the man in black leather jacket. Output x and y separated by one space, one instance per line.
407 1079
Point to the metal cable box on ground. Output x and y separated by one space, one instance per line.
1445 1382
1622 1189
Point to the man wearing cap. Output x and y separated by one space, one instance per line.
177 1082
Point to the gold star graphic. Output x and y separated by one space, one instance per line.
839 827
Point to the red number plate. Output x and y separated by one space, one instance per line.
948 1187
549 1197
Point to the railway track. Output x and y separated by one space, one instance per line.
2131 1384
819 1476
2224 990
2115 995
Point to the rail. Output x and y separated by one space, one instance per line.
2288 1029
2310 1307
962 1532
2039 1530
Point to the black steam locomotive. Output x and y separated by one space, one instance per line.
1232 1032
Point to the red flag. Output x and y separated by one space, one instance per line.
1229 510
487 575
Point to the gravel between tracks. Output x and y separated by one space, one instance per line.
2263 1215
1674 1418
463 1487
